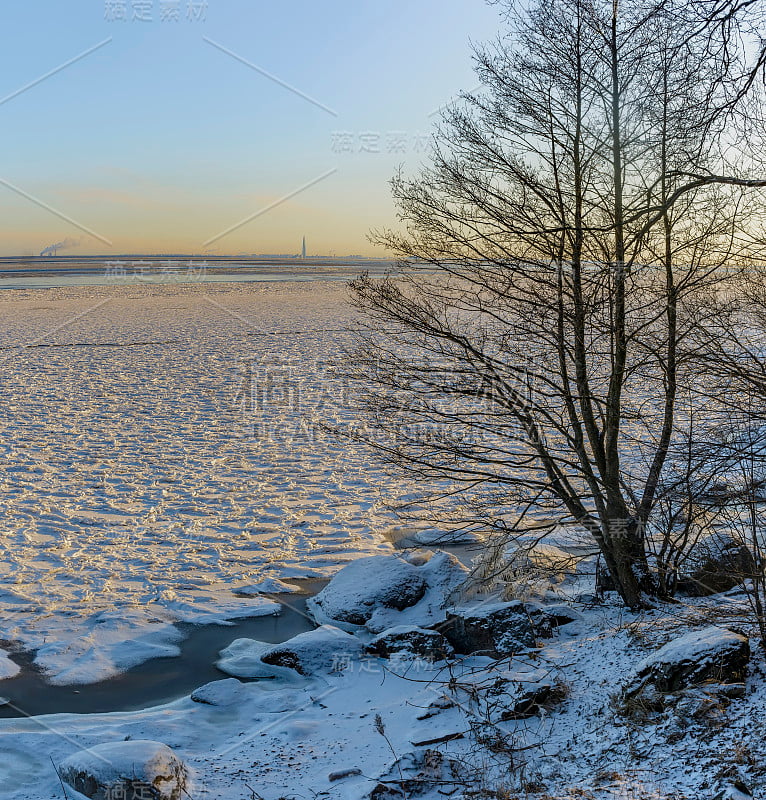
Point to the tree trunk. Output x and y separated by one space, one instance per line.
625 555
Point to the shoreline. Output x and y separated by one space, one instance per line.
157 681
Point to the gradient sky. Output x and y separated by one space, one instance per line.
159 141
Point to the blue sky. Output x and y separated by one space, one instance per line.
158 141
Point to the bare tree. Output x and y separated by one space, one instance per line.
525 358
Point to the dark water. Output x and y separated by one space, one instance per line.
154 682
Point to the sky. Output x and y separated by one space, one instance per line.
223 127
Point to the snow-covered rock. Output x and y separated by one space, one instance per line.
138 768
420 642
366 584
533 700
547 619
438 536
268 698
717 563
227 692
266 586
710 654
325 649
498 629
381 592
242 659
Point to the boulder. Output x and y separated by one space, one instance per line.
382 592
342 774
363 585
435 536
716 564
712 654
325 649
533 701
227 692
130 769
266 586
428 644
242 659
547 619
496 629
386 791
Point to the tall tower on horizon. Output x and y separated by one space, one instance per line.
303 251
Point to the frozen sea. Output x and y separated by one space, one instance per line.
162 449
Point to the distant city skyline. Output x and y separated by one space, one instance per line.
236 128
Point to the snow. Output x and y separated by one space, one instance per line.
145 762
361 587
242 659
382 592
146 472
440 538
148 485
268 586
8 668
693 646
400 630
275 734
488 609
324 649
220 693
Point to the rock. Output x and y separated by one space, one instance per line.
716 564
326 649
738 790
712 654
363 585
383 791
266 586
343 773
382 592
533 701
242 659
436 536
130 769
227 692
428 644
497 629
546 620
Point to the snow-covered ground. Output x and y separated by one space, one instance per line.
155 457
341 731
